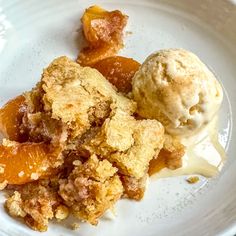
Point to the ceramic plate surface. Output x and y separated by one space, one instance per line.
33 33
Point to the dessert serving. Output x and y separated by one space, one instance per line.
93 130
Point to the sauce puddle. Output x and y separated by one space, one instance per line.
204 156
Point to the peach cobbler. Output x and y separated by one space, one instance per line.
91 131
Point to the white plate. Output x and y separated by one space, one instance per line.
32 33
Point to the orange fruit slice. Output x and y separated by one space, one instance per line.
21 163
10 118
89 56
158 163
101 26
119 71
103 31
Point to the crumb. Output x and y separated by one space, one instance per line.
134 188
77 163
192 179
91 189
8 143
45 167
21 173
3 184
174 151
2 168
128 33
34 176
61 212
14 205
75 226
34 202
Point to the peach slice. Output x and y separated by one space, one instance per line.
89 56
167 158
103 30
10 118
25 162
101 26
158 163
119 71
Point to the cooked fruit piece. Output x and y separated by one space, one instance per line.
103 32
159 163
134 188
10 119
170 156
36 203
101 26
89 56
25 162
119 71
91 188
128 143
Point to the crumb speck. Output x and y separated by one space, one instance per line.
77 163
34 176
62 212
75 226
3 184
44 168
20 174
193 179
2 168
128 33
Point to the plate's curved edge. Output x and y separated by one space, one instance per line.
231 226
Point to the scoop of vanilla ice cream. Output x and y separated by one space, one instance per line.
176 88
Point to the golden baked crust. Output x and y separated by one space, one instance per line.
91 189
134 188
77 95
35 203
148 140
174 151
105 151
128 143
170 155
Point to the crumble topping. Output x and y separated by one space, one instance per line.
61 212
103 151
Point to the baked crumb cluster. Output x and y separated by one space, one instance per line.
103 151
